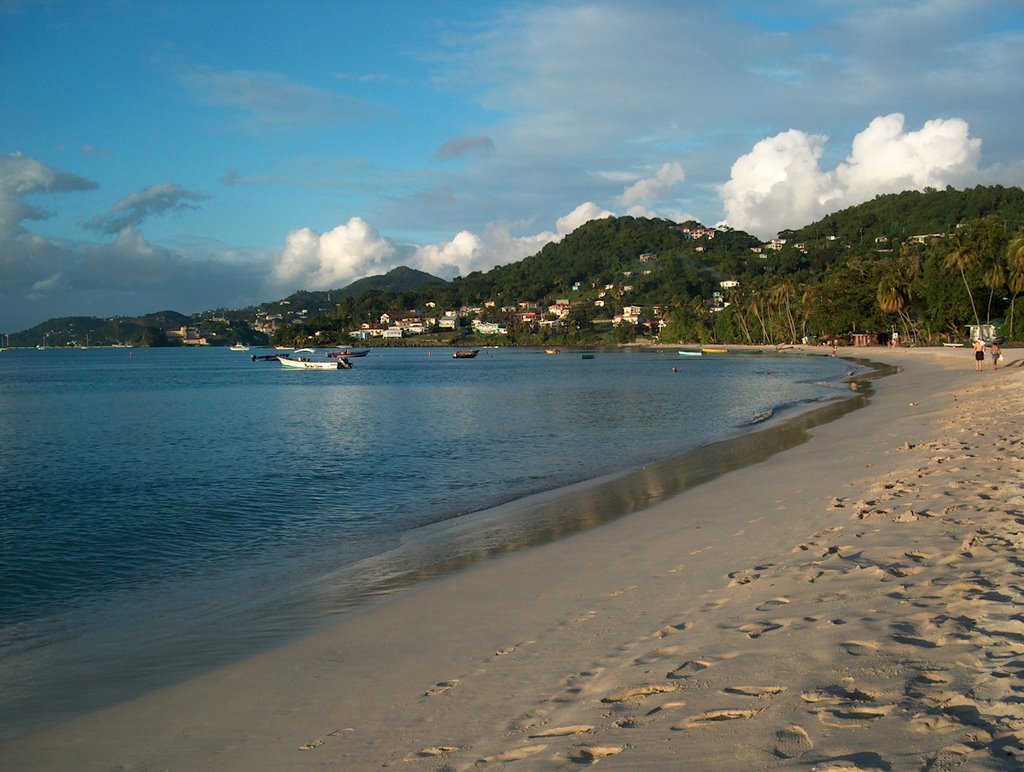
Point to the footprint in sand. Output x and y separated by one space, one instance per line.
689 668
638 693
516 754
563 731
671 630
755 691
758 629
715 716
441 687
791 742
432 752
591 753
773 603
739 578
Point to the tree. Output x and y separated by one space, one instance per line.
1015 264
962 258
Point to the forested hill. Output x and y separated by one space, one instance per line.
899 216
930 262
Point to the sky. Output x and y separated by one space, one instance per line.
199 155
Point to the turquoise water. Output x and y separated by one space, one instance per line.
168 510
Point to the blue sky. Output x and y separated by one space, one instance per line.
193 155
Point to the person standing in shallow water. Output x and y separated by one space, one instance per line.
979 354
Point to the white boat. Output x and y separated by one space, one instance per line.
685 353
238 347
303 363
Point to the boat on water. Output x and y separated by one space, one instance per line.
586 355
238 347
294 362
348 353
263 357
710 350
685 353
465 353
552 351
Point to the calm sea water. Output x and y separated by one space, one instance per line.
168 510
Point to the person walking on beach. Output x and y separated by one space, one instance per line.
979 354
997 354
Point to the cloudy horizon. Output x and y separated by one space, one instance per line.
147 165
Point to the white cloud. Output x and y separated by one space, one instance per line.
653 188
780 183
584 213
885 159
311 260
458 256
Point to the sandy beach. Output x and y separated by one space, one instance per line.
849 603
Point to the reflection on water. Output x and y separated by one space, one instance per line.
446 547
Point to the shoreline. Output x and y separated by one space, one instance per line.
488 662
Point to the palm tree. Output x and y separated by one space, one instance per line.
893 295
781 294
1015 263
963 258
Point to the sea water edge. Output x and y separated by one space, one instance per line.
66 671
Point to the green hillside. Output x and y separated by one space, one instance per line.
926 264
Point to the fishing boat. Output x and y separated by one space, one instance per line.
466 353
710 350
238 347
263 357
348 353
304 363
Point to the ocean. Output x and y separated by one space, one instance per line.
166 511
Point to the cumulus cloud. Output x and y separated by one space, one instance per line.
312 260
584 213
133 210
780 183
653 188
886 159
461 146
453 258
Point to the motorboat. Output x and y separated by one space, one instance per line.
466 353
238 347
305 363
348 353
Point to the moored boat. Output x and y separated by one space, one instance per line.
238 347
466 353
710 350
348 353
304 363
685 353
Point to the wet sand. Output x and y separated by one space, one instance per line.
849 603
